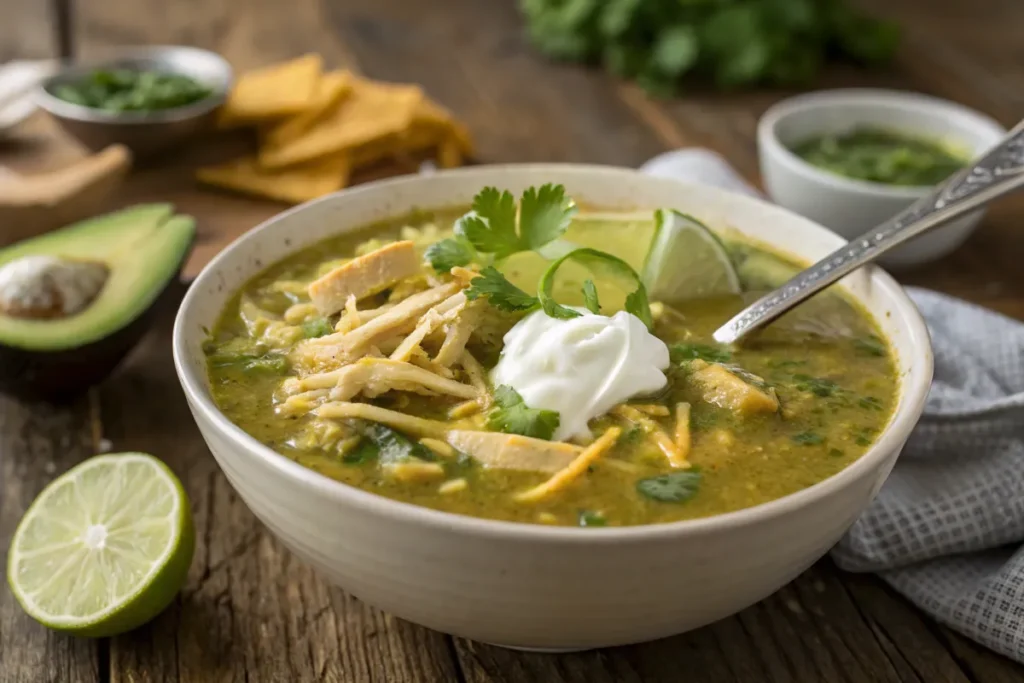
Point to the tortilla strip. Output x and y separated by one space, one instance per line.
577 467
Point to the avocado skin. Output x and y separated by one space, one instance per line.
60 376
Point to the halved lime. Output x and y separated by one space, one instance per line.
104 548
686 261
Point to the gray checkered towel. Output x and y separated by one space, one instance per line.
947 526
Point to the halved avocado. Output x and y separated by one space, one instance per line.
53 354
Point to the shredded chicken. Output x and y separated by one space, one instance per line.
365 275
651 428
299 313
465 409
374 376
364 411
438 447
733 388
513 452
348 323
453 486
458 334
414 471
445 312
577 467
475 372
652 409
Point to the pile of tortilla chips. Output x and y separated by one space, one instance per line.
316 128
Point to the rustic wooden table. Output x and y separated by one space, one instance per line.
250 611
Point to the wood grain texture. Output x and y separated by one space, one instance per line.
250 611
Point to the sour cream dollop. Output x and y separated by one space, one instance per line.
581 367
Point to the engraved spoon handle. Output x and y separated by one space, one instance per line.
1000 171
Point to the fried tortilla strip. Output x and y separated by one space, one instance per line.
577 467
271 92
332 89
365 275
364 411
512 451
294 185
371 111
651 428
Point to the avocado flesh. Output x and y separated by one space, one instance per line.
143 246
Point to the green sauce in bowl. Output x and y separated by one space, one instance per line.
122 90
882 156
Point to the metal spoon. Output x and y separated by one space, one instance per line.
1000 171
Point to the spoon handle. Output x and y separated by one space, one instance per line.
998 172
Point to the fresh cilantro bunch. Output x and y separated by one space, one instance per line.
731 43
492 227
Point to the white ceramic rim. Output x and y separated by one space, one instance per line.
830 99
77 112
912 398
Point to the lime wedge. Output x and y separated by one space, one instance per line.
104 548
686 261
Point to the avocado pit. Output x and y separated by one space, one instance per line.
48 287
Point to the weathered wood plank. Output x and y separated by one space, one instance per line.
37 443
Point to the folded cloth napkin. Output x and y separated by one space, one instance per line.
946 528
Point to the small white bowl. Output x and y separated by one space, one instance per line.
528 585
852 207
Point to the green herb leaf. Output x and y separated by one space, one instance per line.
491 226
544 215
499 291
365 451
512 416
809 438
591 518
870 345
590 297
675 50
394 446
816 385
679 353
603 264
317 327
870 403
448 253
675 487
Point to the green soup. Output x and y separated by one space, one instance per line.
882 156
824 370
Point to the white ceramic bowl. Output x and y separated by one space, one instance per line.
852 207
532 586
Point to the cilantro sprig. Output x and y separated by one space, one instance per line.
512 416
499 291
491 227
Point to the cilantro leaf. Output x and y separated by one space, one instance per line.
394 447
590 297
448 253
317 327
491 226
682 352
500 292
544 215
512 416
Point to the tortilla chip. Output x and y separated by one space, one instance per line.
449 154
370 112
272 91
294 185
430 113
333 87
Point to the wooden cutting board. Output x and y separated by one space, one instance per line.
39 145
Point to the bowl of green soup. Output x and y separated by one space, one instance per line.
150 99
488 400
851 159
